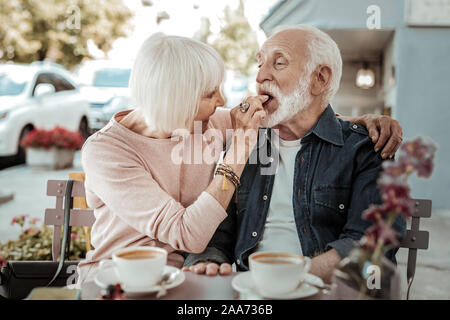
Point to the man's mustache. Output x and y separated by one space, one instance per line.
269 89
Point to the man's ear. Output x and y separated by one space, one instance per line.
320 79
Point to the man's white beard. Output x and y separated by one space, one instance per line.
288 105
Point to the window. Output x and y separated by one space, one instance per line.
42 78
61 84
56 80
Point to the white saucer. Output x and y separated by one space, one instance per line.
243 283
108 277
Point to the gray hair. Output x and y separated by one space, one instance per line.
169 77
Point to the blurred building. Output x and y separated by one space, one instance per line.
406 59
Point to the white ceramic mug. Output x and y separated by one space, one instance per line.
275 273
137 266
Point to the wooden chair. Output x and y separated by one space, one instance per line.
416 239
80 215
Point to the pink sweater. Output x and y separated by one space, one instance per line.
141 197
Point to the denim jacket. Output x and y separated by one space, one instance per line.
335 175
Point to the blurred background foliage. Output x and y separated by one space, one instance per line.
59 30
236 42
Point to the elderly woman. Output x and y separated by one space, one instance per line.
144 188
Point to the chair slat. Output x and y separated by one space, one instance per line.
55 217
58 188
56 242
423 208
416 240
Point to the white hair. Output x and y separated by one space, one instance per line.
169 77
322 49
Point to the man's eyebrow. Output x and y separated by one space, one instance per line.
281 51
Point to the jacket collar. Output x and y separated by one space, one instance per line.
327 128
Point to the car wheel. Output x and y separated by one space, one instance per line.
84 128
21 153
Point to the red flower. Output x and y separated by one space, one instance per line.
3 262
13 221
32 230
394 187
375 213
393 169
379 231
58 137
418 155
34 220
74 235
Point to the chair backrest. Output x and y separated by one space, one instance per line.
55 216
416 239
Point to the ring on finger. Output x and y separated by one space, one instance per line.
243 106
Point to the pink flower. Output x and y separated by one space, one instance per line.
32 230
24 216
3 262
13 221
418 155
375 213
420 148
379 231
393 187
34 220
74 235
393 169
403 206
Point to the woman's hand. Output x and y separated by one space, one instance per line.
250 119
245 125
244 139
384 131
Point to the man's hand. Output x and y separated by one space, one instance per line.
210 268
324 264
384 131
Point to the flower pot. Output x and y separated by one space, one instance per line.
53 158
356 279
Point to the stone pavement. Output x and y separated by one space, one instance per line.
432 279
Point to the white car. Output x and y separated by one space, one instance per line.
105 85
38 95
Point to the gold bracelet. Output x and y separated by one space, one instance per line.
230 171
230 175
227 176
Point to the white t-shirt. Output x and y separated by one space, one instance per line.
280 232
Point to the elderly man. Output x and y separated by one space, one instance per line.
326 172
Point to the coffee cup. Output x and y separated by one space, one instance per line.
137 266
275 273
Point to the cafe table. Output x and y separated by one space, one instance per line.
194 287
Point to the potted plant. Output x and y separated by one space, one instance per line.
354 273
53 149
35 243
